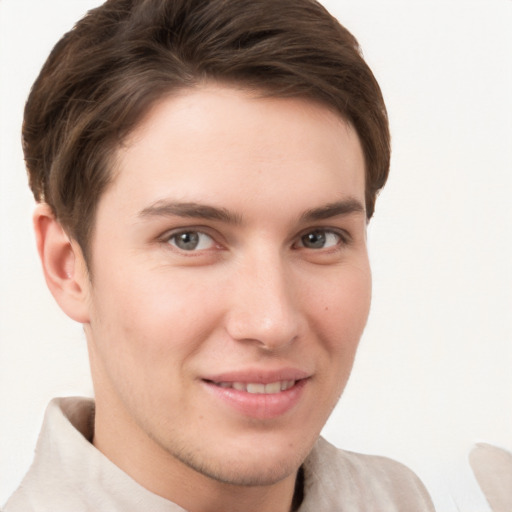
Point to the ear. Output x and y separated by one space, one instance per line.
63 263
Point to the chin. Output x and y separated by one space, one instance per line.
260 465
247 473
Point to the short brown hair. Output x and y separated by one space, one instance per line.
104 74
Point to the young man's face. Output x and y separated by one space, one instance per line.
230 285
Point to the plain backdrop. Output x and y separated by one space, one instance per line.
434 369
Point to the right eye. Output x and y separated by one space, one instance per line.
191 241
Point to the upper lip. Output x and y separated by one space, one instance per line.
259 376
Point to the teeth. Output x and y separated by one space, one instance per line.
258 388
274 387
287 384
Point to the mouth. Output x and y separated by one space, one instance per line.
262 397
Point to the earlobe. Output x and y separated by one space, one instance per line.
63 264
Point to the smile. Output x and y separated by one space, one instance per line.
258 388
259 400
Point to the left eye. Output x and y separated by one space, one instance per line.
320 239
191 241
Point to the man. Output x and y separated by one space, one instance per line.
205 171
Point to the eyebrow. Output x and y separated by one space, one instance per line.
190 210
166 208
339 208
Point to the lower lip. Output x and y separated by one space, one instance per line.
259 405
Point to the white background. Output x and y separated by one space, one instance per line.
434 369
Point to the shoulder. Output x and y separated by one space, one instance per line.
51 483
360 482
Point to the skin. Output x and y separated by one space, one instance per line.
256 295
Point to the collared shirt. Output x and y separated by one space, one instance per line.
70 475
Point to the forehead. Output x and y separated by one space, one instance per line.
220 144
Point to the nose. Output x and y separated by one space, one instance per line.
264 308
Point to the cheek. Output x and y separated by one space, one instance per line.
156 316
341 307
338 314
